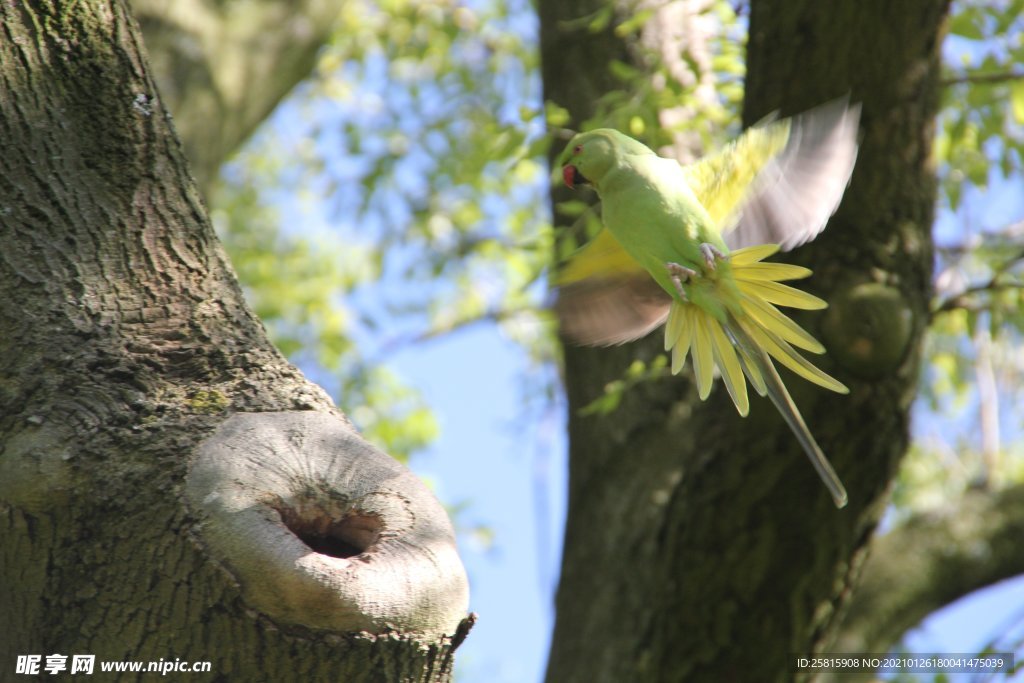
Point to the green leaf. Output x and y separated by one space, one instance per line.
601 19
964 24
622 71
1017 100
555 115
607 402
634 23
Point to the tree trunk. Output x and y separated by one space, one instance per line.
701 546
170 486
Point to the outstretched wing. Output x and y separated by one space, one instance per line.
605 297
780 181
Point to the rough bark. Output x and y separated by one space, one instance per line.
135 521
222 67
701 546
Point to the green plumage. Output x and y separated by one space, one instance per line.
685 246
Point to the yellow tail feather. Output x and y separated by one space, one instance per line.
692 328
732 373
703 355
776 272
778 324
749 255
782 295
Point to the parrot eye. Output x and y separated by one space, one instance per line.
577 149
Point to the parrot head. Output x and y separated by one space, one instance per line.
589 156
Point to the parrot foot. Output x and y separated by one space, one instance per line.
678 274
711 253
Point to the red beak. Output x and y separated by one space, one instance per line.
569 175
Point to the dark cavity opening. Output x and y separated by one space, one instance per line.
349 536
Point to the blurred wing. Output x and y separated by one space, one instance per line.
608 311
780 182
605 297
724 180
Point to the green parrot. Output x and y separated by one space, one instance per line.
684 246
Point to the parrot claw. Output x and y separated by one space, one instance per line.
678 274
711 253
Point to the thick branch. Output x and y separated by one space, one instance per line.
222 67
932 560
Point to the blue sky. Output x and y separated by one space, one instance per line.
512 482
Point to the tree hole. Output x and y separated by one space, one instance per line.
349 536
